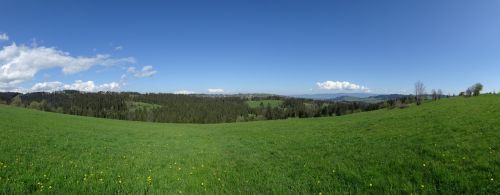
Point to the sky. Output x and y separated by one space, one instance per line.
255 46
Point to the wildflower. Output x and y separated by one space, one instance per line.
371 185
320 193
202 183
491 179
422 186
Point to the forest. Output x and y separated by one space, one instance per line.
176 108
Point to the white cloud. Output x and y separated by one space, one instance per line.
4 37
215 90
47 86
22 63
88 86
185 92
341 85
146 71
118 48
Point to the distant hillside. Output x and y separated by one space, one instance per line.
371 99
353 97
329 96
193 108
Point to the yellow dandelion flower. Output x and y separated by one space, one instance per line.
149 180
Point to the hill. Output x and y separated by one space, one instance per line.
449 146
329 96
353 97
182 108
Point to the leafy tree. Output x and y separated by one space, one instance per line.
468 92
34 105
476 89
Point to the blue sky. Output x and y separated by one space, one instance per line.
283 47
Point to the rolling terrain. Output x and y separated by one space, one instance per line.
448 146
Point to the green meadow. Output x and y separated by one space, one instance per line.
448 146
257 103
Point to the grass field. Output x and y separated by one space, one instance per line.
449 146
132 106
256 103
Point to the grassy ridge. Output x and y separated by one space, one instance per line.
450 146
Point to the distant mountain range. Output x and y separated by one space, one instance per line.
329 96
363 97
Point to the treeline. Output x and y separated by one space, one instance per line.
305 108
158 107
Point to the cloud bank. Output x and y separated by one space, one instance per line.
215 90
21 63
88 86
341 85
185 92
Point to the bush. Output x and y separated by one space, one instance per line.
35 105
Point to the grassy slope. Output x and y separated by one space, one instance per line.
456 139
